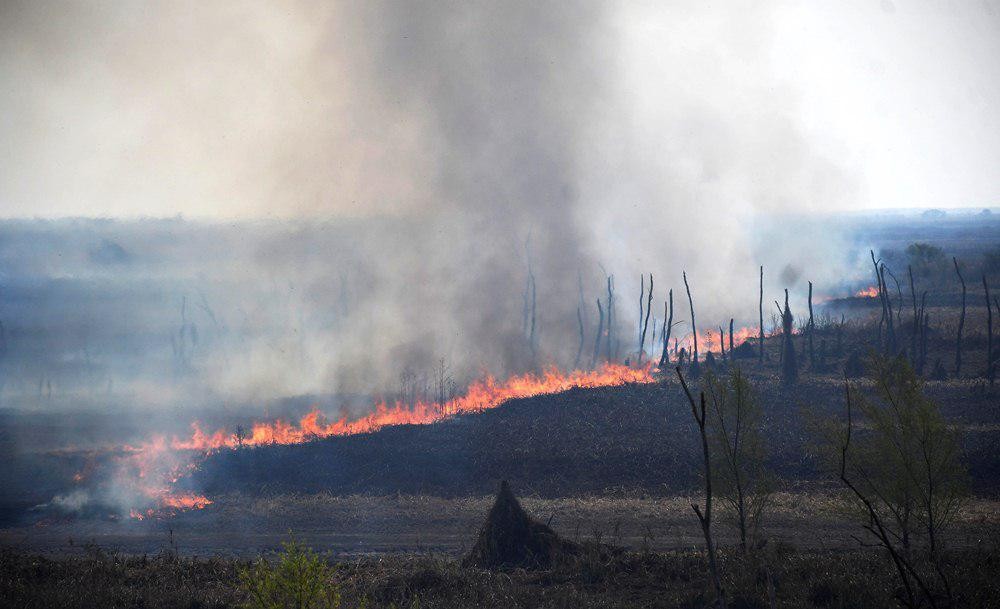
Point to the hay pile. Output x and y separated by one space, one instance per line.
511 539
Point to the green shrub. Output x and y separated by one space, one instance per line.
300 579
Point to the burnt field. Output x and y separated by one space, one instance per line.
637 440
608 467
611 452
611 469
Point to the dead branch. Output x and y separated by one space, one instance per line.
961 322
597 337
694 329
705 518
812 328
761 304
990 367
667 327
645 325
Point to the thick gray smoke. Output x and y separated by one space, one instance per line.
383 179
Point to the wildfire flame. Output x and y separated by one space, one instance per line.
481 395
169 461
150 469
869 292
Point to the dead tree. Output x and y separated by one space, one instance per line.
694 329
890 321
581 317
886 302
731 351
923 340
993 359
645 325
530 301
667 327
240 436
881 300
961 322
812 328
526 296
611 318
899 306
789 366
705 518
642 297
722 343
531 336
579 350
916 318
761 303
597 337
990 368
924 324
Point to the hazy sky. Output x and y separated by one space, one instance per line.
244 109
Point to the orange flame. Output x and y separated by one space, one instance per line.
869 292
169 461
708 338
481 395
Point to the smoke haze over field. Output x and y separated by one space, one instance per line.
372 181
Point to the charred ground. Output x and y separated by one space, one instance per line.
632 439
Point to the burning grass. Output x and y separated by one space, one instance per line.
145 476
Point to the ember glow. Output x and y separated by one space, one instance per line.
869 292
151 469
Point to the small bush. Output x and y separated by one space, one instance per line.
301 579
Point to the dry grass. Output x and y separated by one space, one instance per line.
856 578
816 518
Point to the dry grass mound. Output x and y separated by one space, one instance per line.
511 539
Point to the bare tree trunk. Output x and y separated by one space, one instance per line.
642 297
990 368
611 315
923 343
694 329
993 359
667 327
722 343
961 323
705 518
789 365
731 352
579 350
534 302
597 337
881 300
916 318
890 323
645 325
923 317
761 304
812 328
